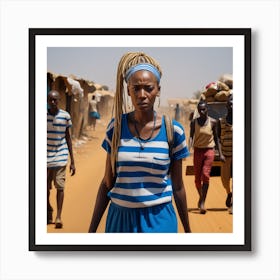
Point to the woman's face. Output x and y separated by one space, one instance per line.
143 89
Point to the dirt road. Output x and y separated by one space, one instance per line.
81 191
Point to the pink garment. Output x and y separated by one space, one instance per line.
202 161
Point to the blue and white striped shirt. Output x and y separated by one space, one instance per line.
57 149
142 178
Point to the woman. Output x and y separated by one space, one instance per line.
136 181
203 137
93 113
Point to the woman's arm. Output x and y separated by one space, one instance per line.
102 199
180 194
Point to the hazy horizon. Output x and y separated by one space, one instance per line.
185 69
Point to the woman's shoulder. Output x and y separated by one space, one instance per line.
176 123
178 128
112 120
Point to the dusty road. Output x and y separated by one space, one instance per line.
81 191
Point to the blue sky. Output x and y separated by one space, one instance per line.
185 69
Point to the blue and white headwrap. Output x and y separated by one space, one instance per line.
143 66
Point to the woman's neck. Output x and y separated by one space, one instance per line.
143 117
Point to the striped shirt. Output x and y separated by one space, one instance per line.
142 178
57 148
226 137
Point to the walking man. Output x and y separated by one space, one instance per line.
59 145
225 133
203 138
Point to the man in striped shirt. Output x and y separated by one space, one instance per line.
59 145
225 134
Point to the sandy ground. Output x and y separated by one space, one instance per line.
81 191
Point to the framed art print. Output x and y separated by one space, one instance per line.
82 63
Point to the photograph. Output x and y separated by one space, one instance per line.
131 143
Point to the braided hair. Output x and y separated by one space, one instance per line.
120 106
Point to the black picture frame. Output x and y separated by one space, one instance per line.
243 33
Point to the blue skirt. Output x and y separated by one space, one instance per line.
157 219
95 115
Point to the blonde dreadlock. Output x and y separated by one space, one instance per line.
128 60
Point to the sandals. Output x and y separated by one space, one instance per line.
58 223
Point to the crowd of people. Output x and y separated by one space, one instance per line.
143 170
